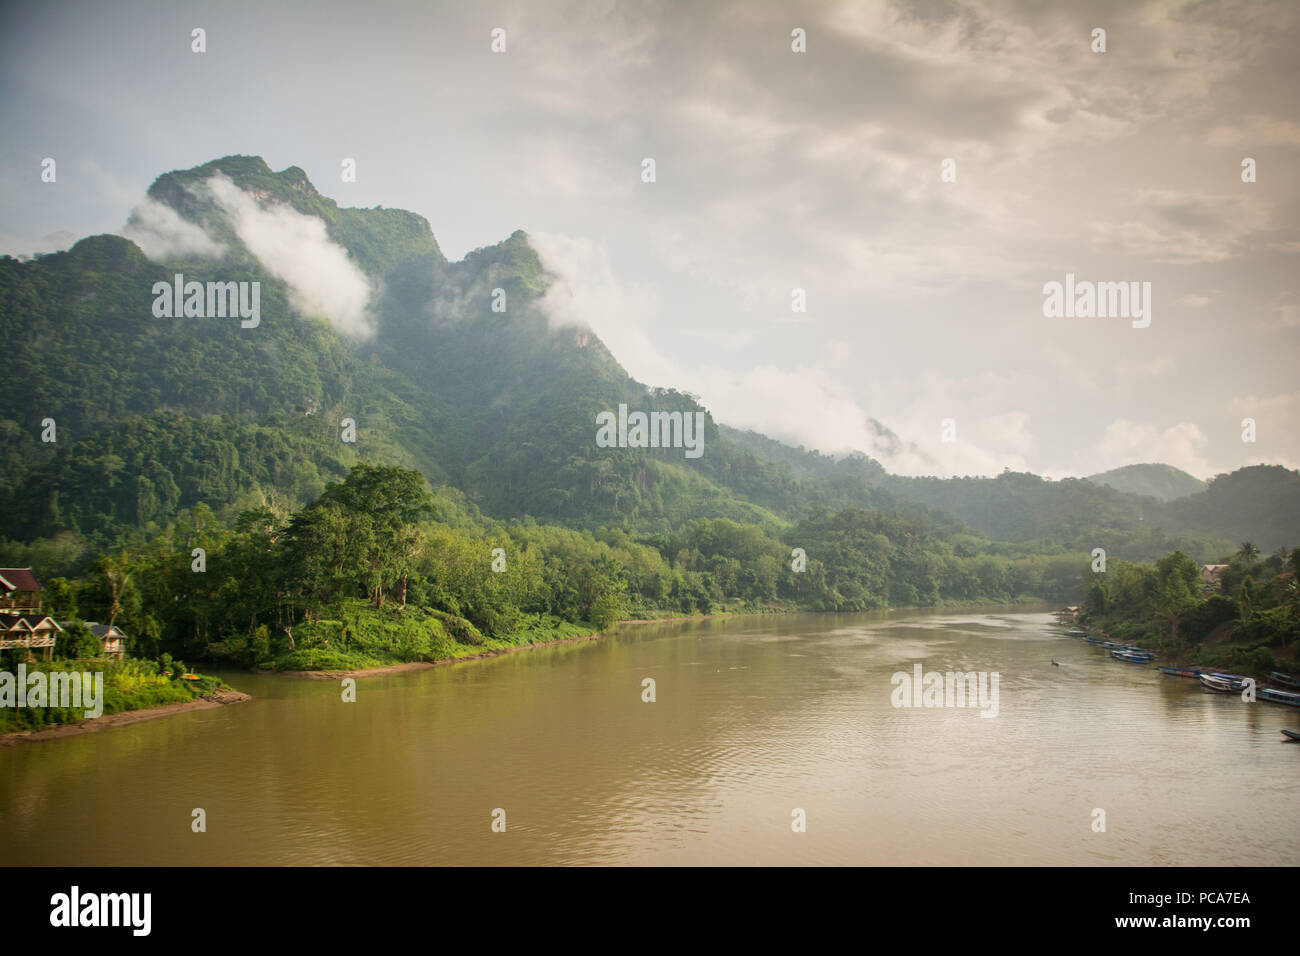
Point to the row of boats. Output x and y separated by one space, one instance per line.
1286 691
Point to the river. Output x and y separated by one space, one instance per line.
754 719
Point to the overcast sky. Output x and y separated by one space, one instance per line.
775 170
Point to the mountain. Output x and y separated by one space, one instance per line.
453 368
499 404
1260 504
1151 480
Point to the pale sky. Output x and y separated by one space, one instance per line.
775 170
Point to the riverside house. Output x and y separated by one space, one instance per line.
113 639
22 623
1211 576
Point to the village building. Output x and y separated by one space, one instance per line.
112 639
22 623
1211 576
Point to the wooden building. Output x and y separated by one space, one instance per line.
22 623
111 637
20 592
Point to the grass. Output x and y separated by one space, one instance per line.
128 685
357 636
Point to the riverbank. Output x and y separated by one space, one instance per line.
505 647
424 665
220 697
337 674
1261 678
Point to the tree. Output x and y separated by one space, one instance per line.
77 642
114 573
1175 592
1248 553
383 505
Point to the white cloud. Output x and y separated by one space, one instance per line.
1252 132
161 233
801 406
294 247
1126 442
586 293
1277 440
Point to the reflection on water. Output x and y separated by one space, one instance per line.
754 717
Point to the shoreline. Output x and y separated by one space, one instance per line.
423 665
405 666
220 698
499 651
1260 680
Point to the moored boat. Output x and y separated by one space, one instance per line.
1221 683
1277 677
1288 697
1076 632
1291 734
1132 658
1181 671
1093 640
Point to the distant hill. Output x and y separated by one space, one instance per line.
1152 480
1260 504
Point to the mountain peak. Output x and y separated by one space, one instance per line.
377 239
1152 479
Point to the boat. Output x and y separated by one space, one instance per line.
1235 678
1076 632
1291 734
1131 658
1279 678
1093 640
1220 683
1181 671
1290 698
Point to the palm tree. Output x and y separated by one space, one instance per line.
1248 552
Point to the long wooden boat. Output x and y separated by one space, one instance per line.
1220 683
1291 734
1093 640
1132 658
1278 677
1127 648
1076 632
1182 671
1290 698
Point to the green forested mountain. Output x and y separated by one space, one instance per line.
1150 480
496 408
1259 504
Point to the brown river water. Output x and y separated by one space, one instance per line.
755 718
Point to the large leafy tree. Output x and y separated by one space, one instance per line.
1175 592
362 531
